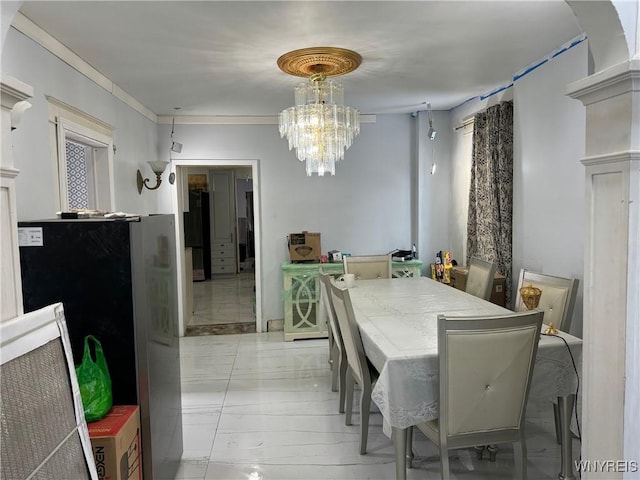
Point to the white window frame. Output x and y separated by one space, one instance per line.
102 160
71 124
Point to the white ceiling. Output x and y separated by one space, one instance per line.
219 58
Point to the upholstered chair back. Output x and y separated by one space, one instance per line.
556 301
480 278
487 373
356 357
485 366
368 267
325 295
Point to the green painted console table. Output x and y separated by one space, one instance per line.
304 315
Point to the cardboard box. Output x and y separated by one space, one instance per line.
498 296
115 441
304 247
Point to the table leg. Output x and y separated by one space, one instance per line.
399 436
565 407
409 447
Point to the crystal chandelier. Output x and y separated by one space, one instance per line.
319 125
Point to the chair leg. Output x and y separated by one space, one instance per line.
365 407
444 463
349 406
520 458
493 451
410 455
334 368
343 381
556 420
331 348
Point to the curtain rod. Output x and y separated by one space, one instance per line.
469 120
465 122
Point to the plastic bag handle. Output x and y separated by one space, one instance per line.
100 360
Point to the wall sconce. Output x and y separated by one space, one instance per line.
158 167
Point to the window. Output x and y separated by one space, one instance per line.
83 157
80 181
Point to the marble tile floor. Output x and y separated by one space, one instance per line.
223 305
258 408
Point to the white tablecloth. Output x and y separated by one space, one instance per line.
398 325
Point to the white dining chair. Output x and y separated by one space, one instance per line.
337 352
324 313
368 267
359 368
557 300
480 278
485 369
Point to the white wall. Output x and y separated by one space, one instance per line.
434 190
244 184
548 191
460 165
8 10
135 136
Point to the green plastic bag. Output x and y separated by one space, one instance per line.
94 381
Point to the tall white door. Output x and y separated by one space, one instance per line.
223 225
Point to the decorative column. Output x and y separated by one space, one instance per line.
611 357
14 96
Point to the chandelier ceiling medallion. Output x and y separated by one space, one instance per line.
319 125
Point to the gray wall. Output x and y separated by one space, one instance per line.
434 191
363 209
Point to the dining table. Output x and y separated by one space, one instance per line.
397 319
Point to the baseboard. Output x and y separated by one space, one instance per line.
275 325
220 329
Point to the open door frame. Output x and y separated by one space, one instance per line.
180 167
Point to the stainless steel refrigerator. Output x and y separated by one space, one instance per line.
197 234
117 280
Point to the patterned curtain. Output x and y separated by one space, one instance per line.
491 193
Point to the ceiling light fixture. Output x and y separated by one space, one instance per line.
319 126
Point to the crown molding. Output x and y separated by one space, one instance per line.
55 47
65 107
233 119
609 158
617 80
8 172
14 91
42 38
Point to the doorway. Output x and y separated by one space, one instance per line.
235 280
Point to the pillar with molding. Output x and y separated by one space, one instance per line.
611 356
14 95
